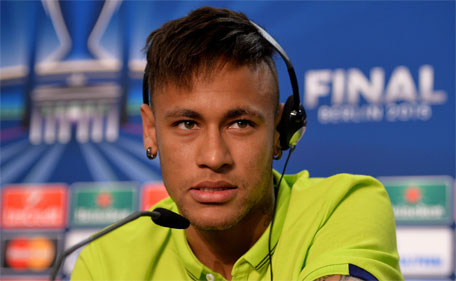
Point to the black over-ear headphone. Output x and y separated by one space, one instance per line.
293 122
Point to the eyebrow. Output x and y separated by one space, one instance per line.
188 113
231 114
238 112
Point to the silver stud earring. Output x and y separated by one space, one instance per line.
277 156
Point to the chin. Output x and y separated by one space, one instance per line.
212 226
212 222
204 227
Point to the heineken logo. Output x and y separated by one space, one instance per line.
420 199
97 205
104 200
413 194
419 213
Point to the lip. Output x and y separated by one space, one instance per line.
215 192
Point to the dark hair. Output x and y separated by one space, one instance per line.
202 42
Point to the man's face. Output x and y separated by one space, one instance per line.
216 143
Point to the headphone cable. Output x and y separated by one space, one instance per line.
276 192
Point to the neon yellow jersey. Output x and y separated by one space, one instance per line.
323 226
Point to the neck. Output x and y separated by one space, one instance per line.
220 249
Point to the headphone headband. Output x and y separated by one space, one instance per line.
286 59
293 122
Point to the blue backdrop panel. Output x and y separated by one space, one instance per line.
377 79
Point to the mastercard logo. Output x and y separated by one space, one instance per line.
30 253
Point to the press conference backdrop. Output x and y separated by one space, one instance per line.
377 79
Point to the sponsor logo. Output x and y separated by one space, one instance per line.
30 206
104 200
425 251
29 254
413 194
420 199
29 278
417 260
350 96
152 193
95 204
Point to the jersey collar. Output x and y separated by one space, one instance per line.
257 256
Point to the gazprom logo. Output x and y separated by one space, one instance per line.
355 97
427 261
425 251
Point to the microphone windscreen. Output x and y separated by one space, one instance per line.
170 219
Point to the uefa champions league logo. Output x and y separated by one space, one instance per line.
78 95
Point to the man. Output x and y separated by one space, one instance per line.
212 120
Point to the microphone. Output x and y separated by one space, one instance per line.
169 219
159 216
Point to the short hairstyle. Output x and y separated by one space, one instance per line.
201 43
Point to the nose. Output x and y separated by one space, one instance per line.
214 152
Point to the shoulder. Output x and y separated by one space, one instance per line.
351 221
338 183
328 193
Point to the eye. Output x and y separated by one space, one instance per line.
242 124
186 125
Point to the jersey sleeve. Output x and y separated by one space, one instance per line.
357 232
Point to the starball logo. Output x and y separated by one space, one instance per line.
350 96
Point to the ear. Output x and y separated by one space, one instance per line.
148 122
277 149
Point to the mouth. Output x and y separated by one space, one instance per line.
210 189
213 192
213 186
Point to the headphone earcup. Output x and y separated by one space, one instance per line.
292 124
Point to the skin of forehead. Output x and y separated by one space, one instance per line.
208 76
